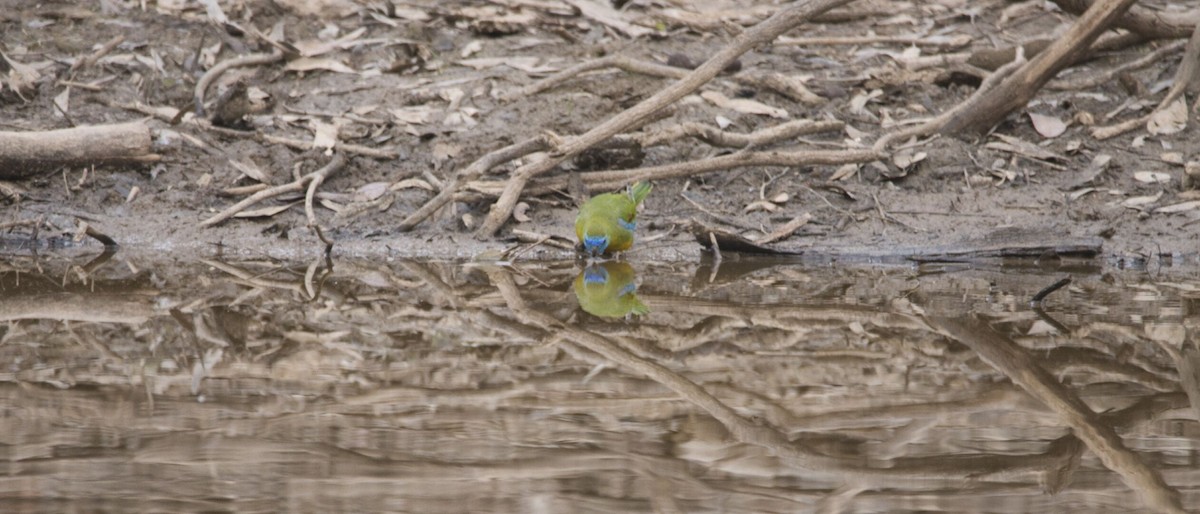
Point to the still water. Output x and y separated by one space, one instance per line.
752 386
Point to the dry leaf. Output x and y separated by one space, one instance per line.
760 205
1172 158
743 105
20 76
523 63
413 115
1179 207
787 229
325 135
844 172
519 213
1047 126
1169 120
858 104
1075 195
1139 201
604 13
411 183
251 170
318 63
906 158
1021 147
326 9
62 102
267 212
372 191
471 48
408 13
1152 177
315 47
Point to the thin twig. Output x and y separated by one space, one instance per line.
317 178
90 60
617 178
211 75
294 186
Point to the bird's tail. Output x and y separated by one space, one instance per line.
639 190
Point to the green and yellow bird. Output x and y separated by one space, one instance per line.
606 222
609 290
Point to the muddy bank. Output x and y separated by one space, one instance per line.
415 94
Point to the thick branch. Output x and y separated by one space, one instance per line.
1019 88
761 34
26 153
1145 22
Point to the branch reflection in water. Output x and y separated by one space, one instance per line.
758 387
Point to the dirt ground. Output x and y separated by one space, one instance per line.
424 81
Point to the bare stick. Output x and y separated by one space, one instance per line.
614 179
782 84
471 173
318 177
26 153
296 185
104 49
956 42
1186 78
717 137
761 34
1141 21
1108 74
167 113
937 123
211 75
1020 87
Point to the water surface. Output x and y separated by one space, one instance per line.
753 386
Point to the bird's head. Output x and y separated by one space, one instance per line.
595 245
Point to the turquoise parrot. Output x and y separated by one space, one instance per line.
606 222
608 289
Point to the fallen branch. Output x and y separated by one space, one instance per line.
316 179
762 33
1108 74
299 184
89 61
1023 84
169 113
1142 21
216 71
938 122
782 84
615 179
955 42
26 153
471 173
1186 79
717 137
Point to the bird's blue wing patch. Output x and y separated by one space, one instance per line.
627 225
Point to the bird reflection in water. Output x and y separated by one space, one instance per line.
608 290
